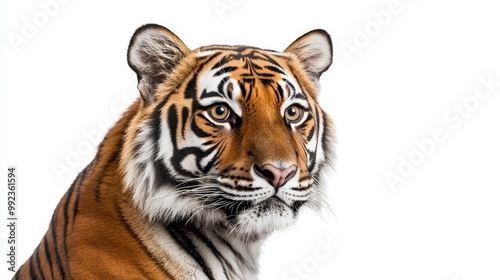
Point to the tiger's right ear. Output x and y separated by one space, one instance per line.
153 52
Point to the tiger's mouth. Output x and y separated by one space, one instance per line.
271 204
257 220
275 200
252 208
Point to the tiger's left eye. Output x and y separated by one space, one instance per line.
219 112
294 114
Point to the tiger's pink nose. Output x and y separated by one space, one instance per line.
276 176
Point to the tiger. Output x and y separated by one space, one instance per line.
223 146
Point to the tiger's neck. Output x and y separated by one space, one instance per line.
192 250
208 252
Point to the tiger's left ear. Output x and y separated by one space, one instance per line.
314 51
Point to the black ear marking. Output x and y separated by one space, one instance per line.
153 52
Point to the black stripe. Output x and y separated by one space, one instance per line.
303 126
222 83
311 133
179 234
230 247
290 84
208 143
32 269
47 255
232 208
249 91
179 154
224 60
243 90
190 92
240 188
39 266
209 94
78 190
66 210
185 114
255 66
274 69
313 154
58 262
136 237
209 164
299 95
103 173
269 59
212 248
266 75
280 92
225 70
68 200
155 124
327 135
163 176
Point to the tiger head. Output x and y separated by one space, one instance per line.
227 136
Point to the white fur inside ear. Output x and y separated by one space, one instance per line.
153 53
152 48
141 40
314 50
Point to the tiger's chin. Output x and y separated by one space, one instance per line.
261 219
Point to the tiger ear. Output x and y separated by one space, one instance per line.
153 52
314 51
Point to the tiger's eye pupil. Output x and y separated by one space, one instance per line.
220 111
292 112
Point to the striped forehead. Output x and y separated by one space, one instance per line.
231 73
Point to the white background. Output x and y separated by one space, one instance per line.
406 79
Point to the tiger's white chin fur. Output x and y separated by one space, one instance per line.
263 219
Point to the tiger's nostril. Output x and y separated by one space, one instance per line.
266 174
275 176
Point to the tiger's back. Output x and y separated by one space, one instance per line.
224 146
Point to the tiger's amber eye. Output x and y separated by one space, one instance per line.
219 112
294 114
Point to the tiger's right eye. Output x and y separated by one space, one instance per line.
219 112
294 114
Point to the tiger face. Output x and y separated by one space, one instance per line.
227 136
